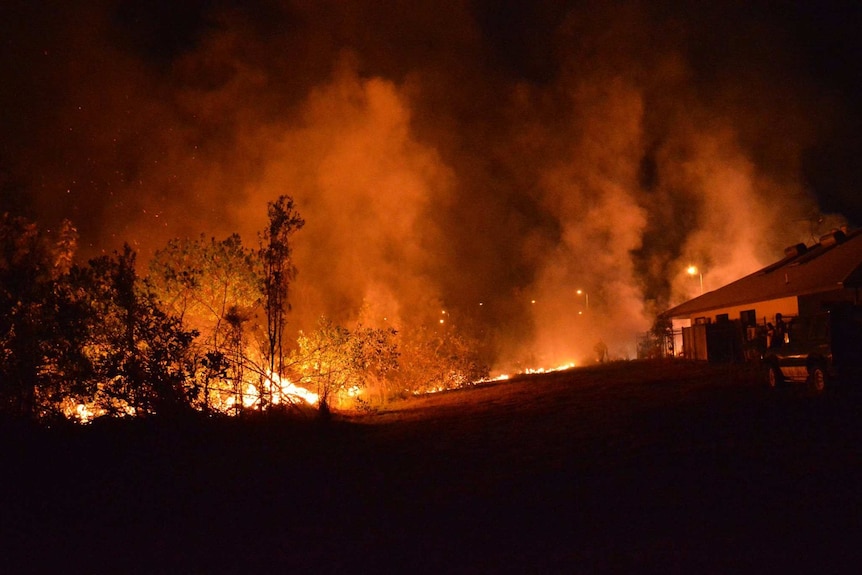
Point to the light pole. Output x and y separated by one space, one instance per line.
586 298
693 271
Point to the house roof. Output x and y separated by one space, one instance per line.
834 262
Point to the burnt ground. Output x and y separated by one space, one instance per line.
666 467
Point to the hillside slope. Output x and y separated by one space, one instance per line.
633 467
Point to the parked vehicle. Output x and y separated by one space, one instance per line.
817 349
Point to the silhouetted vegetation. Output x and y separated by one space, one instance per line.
80 340
203 331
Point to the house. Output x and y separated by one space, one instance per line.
807 280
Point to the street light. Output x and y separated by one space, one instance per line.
693 271
586 298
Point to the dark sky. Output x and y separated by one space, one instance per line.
446 154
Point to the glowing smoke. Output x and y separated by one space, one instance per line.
436 155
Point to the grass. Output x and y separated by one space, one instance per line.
626 467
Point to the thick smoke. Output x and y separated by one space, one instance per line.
369 192
545 173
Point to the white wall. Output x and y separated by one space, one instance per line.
764 310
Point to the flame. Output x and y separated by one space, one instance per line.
530 371
86 412
550 369
504 377
275 389
287 390
83 412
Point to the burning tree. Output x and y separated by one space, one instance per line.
98 340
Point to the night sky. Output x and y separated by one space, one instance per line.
446 154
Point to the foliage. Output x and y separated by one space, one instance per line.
658 341
437 358
377 355
75 336
335 361
142 354
96 339
325 362
206 282
30 263
215 287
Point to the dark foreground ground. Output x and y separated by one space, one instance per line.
632 467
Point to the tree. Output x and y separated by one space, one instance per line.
377 356
658 341
215 287
335 361
69 377
141 354
438 357
75 335
326 361
31 262
204 281
278 271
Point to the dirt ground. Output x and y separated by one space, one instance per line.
630 467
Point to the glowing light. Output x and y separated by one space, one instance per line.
530 371
87 412
273 389
287 390
693 271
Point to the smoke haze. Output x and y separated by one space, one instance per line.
489 159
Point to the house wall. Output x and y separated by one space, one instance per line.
764 310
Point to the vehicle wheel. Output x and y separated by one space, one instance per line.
773 376
817 378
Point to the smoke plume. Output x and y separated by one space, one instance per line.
544 173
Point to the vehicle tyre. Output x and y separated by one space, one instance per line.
773 376
817 378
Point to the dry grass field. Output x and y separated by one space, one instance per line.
629 467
